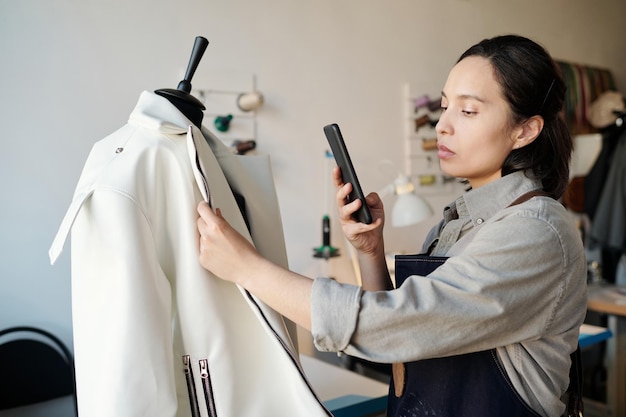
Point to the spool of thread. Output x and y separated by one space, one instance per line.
427 179
222 123
249 101
421 121
429 144
421 102
435 104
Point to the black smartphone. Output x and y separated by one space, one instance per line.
348 174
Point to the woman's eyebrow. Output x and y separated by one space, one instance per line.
466 97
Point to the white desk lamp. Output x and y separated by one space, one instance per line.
409 208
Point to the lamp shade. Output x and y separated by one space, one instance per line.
409 209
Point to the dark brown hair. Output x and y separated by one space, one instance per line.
532 85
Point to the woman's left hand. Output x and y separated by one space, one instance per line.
366 238
223 250
230 256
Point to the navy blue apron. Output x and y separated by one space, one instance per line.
469 385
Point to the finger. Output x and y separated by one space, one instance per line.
204 210
347 210
373 200
342 194
337 179
352 207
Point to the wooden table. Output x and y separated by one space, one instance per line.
611 299
345 393
590 335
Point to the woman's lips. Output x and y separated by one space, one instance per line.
443 152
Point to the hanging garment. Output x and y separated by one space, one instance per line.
608 228
155 334
596 177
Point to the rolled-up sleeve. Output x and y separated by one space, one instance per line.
471 303
332 328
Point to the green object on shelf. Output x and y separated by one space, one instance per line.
326 250
222 123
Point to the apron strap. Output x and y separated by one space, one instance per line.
527 196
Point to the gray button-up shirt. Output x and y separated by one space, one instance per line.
515 281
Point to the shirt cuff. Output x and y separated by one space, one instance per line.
334 313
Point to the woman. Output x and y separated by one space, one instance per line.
490 330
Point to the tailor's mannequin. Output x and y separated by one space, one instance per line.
190 106
193 108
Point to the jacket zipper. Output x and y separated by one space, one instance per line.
207 388
191 387
294 360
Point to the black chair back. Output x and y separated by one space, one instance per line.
35 366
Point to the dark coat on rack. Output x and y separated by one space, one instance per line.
596 178
608 227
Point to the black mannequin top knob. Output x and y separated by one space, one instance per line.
190 106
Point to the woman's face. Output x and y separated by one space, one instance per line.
474 135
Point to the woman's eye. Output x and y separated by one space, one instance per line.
468 112
444 108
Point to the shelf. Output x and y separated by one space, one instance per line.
421 163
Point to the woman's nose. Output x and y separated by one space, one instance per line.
443 125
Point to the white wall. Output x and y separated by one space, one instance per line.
72 70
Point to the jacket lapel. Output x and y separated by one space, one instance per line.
250 176
211 181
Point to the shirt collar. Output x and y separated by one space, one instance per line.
482 203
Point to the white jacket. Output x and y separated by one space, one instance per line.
143 306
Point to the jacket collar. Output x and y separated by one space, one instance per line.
157 113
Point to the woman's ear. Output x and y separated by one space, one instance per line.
528 132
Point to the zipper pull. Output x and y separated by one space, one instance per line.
191 388
204 368
187 364
207 388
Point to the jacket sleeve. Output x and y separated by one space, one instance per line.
121 312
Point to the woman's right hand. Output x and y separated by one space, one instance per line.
366 238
